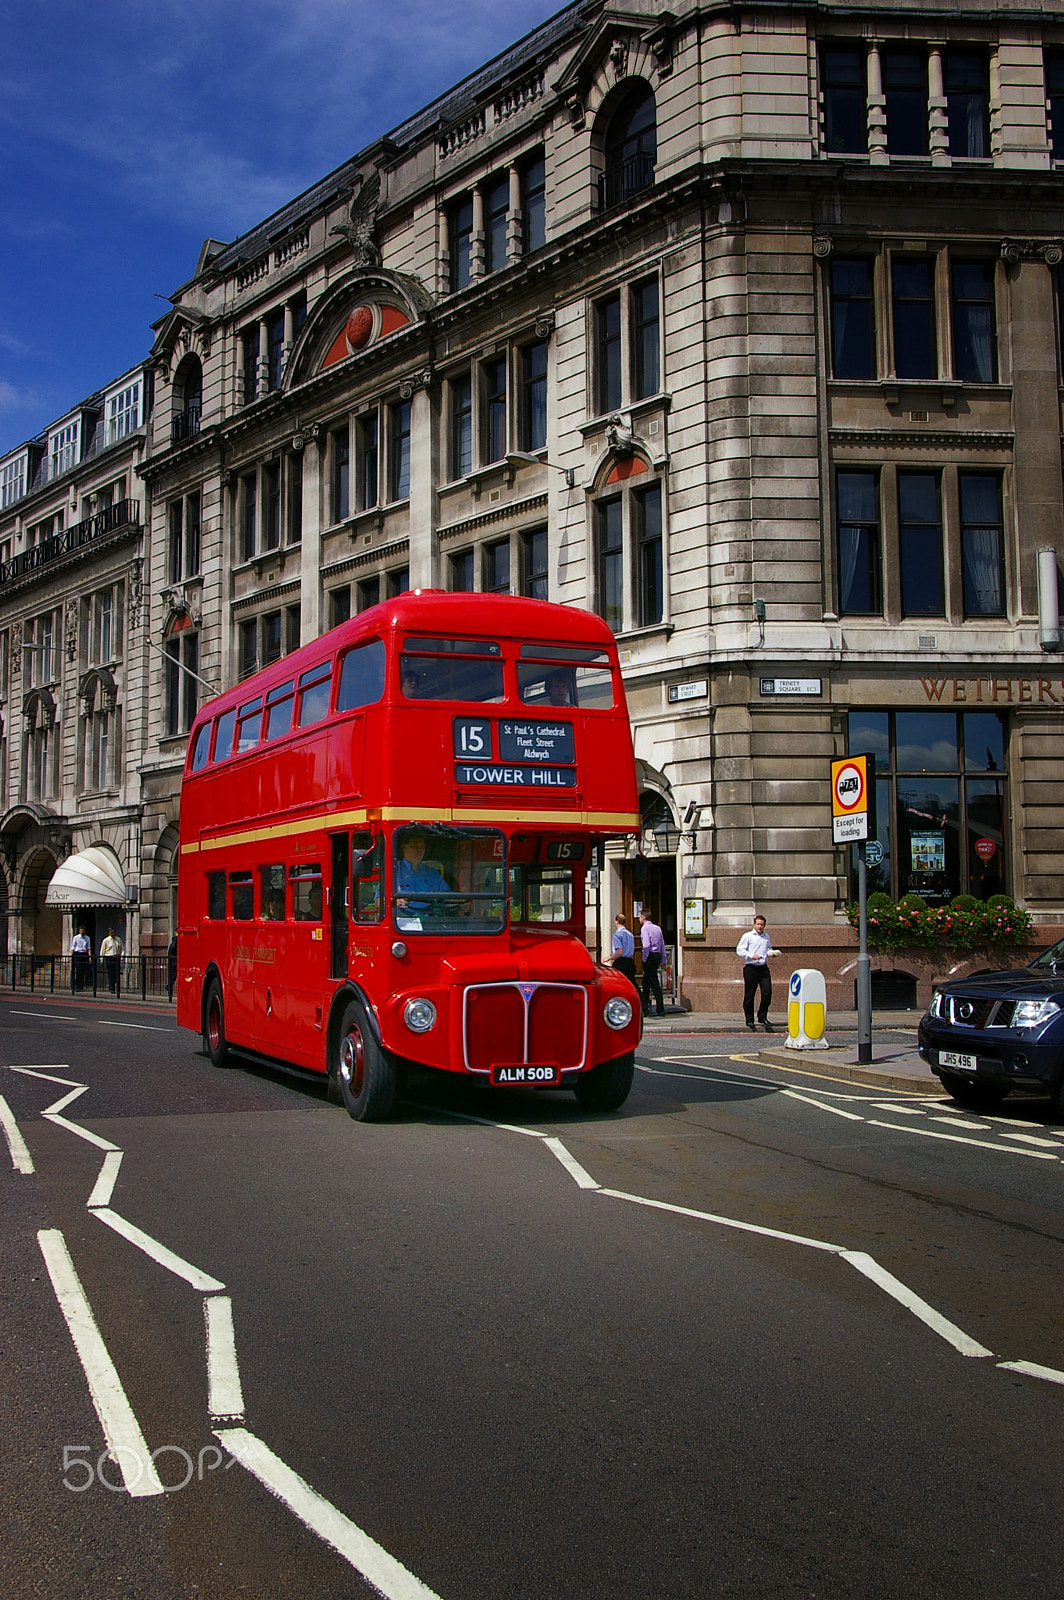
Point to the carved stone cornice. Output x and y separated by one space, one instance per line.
1013 251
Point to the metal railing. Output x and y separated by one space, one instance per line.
623 180
146 975
185 425
124 513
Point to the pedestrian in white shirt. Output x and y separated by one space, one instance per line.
755 947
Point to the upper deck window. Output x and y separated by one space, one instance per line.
248 725
201 748
451 669
564 675
279 706
361 676
314 686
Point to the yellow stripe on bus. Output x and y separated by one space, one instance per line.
346 819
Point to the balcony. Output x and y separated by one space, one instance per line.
123 514
619 183
185 426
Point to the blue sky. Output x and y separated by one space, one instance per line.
132 130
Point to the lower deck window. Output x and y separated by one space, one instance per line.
449 880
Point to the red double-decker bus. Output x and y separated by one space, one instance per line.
384 843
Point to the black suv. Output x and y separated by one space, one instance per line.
998 1031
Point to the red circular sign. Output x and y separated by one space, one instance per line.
985 849
849 787
359 327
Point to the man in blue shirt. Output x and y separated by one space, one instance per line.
623 947
411 874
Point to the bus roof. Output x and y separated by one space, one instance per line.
439 611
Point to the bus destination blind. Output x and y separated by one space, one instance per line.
524 755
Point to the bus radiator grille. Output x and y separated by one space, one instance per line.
497 1015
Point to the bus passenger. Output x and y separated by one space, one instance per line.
559 687
412 874
408 682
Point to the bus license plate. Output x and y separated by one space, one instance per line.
950 1058
526 1073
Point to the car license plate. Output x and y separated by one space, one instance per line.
950 1058
526 1072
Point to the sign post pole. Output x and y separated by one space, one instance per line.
864 963
853 813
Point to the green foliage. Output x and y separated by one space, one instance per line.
967 924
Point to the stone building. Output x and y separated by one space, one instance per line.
739 325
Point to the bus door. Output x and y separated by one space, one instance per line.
305 974
339 906
270 961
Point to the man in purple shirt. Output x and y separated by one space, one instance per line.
653 942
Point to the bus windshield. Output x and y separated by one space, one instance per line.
449 880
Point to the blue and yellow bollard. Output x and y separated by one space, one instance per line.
807 1010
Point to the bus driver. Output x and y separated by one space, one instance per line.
412 874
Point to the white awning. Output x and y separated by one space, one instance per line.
92 877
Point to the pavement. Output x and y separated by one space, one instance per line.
895 1062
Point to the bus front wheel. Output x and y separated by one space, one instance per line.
365 1071
607 1086
215 1047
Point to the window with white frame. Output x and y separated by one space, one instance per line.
98 735
181 679
63 447
12 481
629 567
263 639
40 765
40 645
102 625
123 412
183 556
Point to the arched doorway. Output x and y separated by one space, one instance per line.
42 926
649 881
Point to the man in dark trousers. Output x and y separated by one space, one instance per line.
653 941
755 947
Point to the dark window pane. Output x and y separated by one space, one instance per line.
361 676
913 288
534 204
534 381
630 148
367 444
845 119
920 545
247 519
982 555
495 403
462 572
608 353
339 605
400 416
461 427
858 530
271 520
341 475
1055 96
496 217
646 506
967 82
497 567
928 830
369 593
608 515
985 802
974 337
271 637
905 92
984 742
926 741
868 733
534 558
853 333
177 513
274 350
192 535
460 244
646 339
250 353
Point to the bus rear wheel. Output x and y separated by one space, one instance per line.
215 1047
365 1071
607 1086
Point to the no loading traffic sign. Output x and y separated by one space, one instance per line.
849 799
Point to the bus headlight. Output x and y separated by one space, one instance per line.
617 1012
419 1015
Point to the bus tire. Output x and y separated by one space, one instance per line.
607 1086
215 1047
365 1071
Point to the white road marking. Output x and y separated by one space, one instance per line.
960 1122
120 1426
45 1072
958 1138
1031 1138
379 1568
104 1185
724 1222
1033 1370
571 1165
836 1111
21 1159
82 1133
912 1302
225 1397
76 1091
142 1027
158 1252
42 1016
903 1111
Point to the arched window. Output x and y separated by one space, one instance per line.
188 400
630 148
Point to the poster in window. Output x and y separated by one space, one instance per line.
694 918
928 852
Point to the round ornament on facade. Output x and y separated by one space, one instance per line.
359 329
